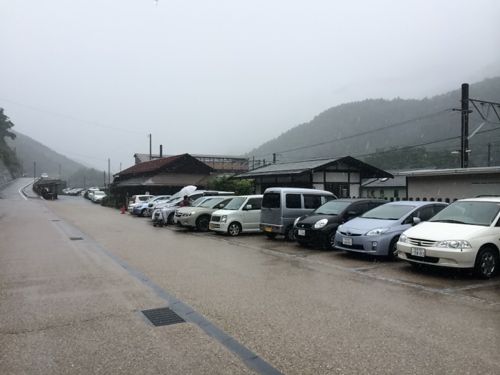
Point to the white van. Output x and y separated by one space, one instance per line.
242 214
281 206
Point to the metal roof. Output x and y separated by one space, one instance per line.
299 167
451 171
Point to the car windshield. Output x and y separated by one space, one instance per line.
198 201
145 198
98 193
469 212
211 202
235 203
388 212
334 207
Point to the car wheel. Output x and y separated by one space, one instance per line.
393 249
271 236
170 219
330 243
234 229
289 234
202 223
143 213
486 263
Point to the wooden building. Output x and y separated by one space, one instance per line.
341 176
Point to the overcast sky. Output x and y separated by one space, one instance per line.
92 78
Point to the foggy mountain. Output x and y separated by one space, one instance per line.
48 161
408 122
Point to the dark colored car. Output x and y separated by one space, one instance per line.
318 228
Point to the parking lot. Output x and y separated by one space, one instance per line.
458 283
299 310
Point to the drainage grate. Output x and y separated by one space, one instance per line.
162 316
76 238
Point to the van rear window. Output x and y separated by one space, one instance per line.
271 200
312 201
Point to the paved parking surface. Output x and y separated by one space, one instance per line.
302 311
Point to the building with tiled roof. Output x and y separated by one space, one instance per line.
161 176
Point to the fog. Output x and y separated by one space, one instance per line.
91 79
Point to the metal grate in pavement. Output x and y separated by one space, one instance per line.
162 316
76 238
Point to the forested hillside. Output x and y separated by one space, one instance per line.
398 133
54 164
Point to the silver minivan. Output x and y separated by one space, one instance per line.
281 206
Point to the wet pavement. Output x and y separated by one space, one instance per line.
302 311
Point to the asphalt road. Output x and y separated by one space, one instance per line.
75 276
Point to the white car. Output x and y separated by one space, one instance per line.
466 234
97 196
136 200
242 214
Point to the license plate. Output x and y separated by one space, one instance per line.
347 241
268 229
301 232
418 252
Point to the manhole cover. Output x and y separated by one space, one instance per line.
162 316
76 238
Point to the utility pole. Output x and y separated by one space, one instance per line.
34 170
253 162
84 182
489 154
104 178
464 148
109 172
150 147
274 158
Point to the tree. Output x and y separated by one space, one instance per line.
225 183
5 125
7 156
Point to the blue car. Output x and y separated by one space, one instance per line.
377 231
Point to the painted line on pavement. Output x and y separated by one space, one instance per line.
249 358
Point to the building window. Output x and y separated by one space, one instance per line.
340 189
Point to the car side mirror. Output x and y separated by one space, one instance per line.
416 220
248 207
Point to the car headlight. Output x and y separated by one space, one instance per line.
296 221
454 244
320 223
340 227
403 238
192 213
376 232
223 218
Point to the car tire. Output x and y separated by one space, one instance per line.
271 236
143 212
234 229
202 223
486 265
392 251
170 219
330 243
289 234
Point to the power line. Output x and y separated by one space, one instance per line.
418 145
69 117
363 133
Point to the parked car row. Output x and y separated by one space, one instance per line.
464 234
